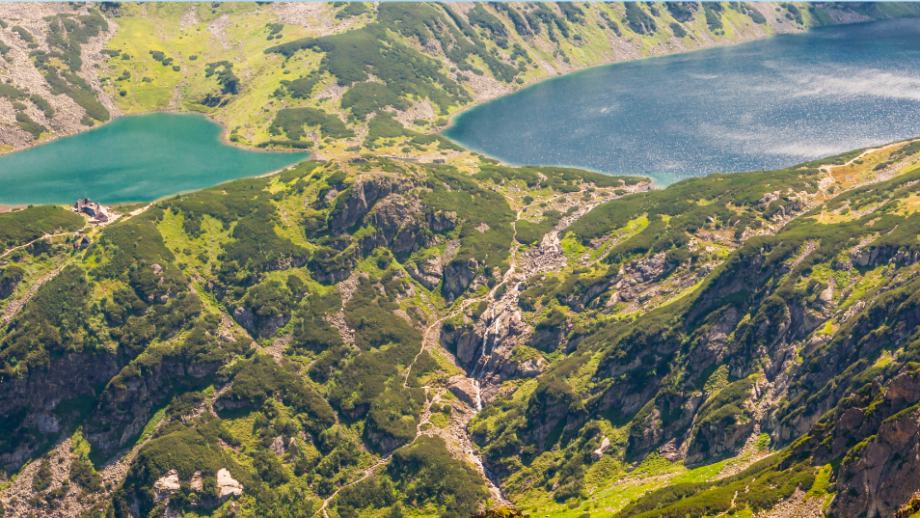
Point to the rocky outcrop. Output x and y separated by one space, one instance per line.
501 512
128 401
227 485
876 255
170 482
357 201
383 442
598 454
10 277
879 475
66 115
531 368
398 222
31 403
548 337
428 272
255 324
329 266
466 389
458 275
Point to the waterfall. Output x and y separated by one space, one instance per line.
478 396
487 344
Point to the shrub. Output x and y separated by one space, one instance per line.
291 121
678 30
42 478
638 20
21 226
28 125
83 474
230 84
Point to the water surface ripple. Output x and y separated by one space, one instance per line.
765 104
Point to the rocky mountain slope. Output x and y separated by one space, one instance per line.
314 76
372 337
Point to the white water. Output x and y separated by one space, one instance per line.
478 396
487 344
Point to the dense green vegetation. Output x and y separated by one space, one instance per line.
477 207
758 488
51 326
292 121
286 328
21 226
419 475
349 57
182 297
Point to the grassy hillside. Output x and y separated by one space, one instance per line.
252 66
702 349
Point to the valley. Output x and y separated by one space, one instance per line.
323 332
396 326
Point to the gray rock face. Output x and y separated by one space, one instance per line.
277 446
29 401
458 275
358 199
464 388
329 266
532 368
598 454
442 221
259 326
399 224
428 272
383 442
882 476
245 318
8 282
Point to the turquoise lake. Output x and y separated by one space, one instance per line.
769 104
136 158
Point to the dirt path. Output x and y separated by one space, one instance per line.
14 306
49 237
828 167
457 433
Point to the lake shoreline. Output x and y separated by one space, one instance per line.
225 133
693 114
613 62
134 159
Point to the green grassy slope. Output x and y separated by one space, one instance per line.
697 341
244 64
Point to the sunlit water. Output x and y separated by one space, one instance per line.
137 158
765 104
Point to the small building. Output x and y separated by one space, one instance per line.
438 161
98 213
90 208
82 243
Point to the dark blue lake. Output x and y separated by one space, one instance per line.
764 104
136 158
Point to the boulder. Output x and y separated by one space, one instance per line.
465 389
227 484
